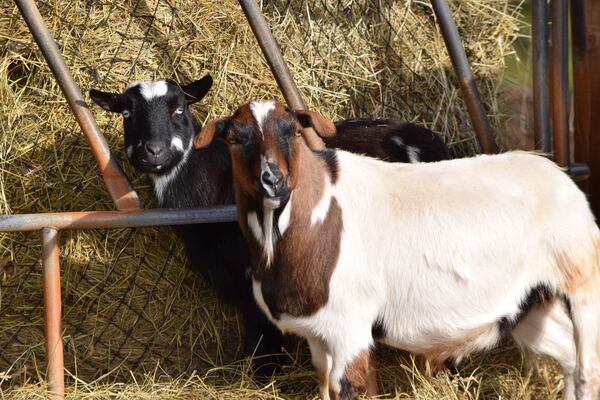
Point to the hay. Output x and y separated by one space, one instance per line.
136 322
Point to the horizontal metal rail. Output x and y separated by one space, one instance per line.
116 219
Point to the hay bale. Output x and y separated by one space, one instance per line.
132 311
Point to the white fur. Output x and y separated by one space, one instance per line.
439 253
413 154
268 213
284 217
398 140
319 212
260 110
129 151
254 226
161 182
177 143
150 90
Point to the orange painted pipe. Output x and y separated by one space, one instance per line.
52 314
114 179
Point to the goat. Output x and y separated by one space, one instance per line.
444 259
158 130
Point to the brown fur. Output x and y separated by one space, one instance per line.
362 373
297 283
580 270
323 126
207 134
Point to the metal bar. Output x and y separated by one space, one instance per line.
279 68
541 97
581 87
585 23
115 180
466 80
52 314
272 53
559 84
116 219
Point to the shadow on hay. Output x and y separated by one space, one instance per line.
114 318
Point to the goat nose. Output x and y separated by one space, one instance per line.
153 148
271 179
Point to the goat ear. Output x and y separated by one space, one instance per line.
196 90
310 119
108 101
212 129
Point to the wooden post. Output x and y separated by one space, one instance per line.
586 64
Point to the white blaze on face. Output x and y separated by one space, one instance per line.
260 111
150 90
177 143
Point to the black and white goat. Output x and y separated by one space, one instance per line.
159 129
444 258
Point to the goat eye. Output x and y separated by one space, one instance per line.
179 110
126 113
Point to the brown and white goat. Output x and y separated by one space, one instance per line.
446 258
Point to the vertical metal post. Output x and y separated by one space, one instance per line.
541 97
585 24
466 80
52 313
274 58
559 84
117 184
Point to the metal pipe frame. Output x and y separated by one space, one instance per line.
116 219
559 84
115 180
51 223
272 53
541 97
465 76
52 314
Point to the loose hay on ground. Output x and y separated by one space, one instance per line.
129 302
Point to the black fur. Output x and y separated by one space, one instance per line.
346 391
378 331
540 294
330 158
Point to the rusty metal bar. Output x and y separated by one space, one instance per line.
117 184
272 53
279 68
466 80
116 219
541 97
52 314
559 84
582 95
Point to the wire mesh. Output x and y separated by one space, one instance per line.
129 301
